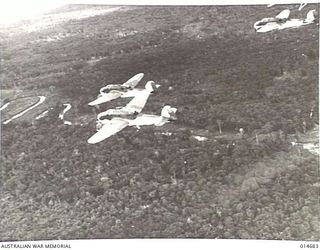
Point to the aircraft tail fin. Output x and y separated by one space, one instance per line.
169 112
310 16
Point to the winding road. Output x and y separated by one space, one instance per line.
39 116
4 106
41 100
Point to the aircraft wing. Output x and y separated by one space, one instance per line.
133 81
138 102
106 98
111 87
119 112
110 128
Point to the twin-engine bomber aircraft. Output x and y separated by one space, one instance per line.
116 124
282 21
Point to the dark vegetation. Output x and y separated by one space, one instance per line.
213 67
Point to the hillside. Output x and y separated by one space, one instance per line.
161 182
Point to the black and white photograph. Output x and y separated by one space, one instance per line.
160 122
